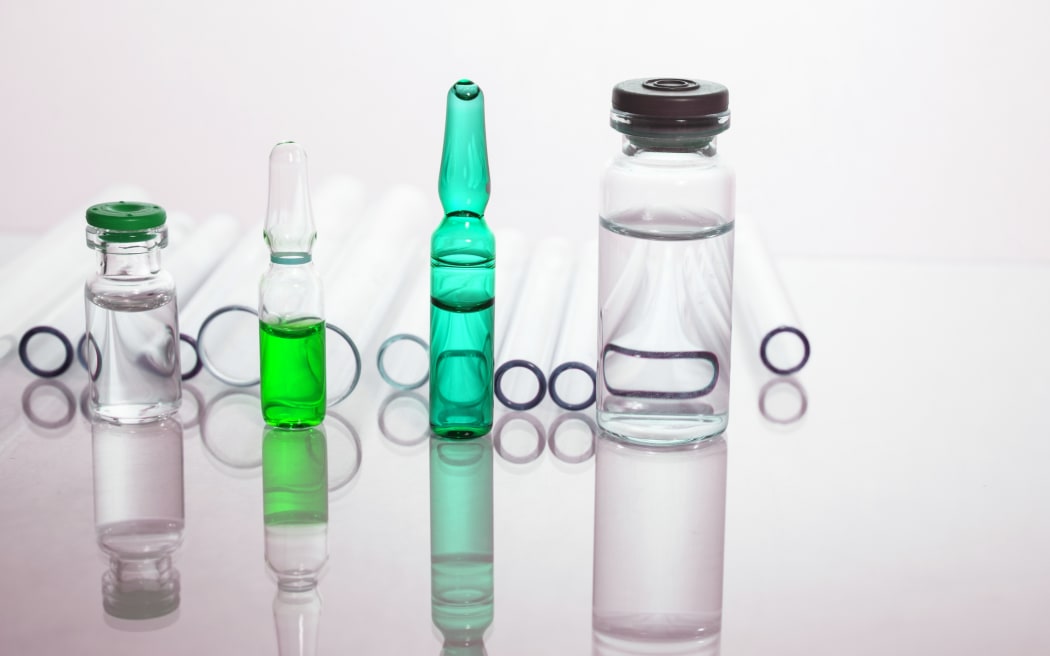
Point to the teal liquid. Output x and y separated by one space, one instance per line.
461 542
462 311
292 377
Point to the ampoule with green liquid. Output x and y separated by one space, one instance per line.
291 311
462 275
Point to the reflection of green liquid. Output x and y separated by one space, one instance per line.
295 477
461 360
292 384
461 571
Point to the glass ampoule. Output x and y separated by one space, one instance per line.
291 310
462 282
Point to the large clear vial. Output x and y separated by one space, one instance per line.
132 343
666 265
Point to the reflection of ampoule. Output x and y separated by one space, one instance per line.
659 526
462 269
139 515
461 569
295 509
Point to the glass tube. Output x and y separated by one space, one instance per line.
189 258
571 382
58 303
55 264
764 307
403 358
372 275
530 338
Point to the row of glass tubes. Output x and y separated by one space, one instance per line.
545 320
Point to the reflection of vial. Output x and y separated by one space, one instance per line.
659 527
291 312
295 504
462 282
132 350
461 585
665 265
139 515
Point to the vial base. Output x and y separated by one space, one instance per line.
657 430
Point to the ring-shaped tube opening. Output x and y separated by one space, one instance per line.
381 356
23 351
202 350
552 386
541 385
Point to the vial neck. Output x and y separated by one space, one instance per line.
128 261
702 145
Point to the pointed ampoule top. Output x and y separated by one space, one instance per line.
290 231
463 183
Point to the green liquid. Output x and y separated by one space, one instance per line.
292 381
461 342
295 476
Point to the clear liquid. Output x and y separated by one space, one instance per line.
133 356
665 289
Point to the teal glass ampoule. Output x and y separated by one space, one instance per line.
462 275
291 311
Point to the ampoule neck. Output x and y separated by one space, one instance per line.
296 258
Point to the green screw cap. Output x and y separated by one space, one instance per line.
126 215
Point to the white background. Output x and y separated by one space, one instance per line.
878 128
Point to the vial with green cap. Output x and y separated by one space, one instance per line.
462 281
132 343
291 309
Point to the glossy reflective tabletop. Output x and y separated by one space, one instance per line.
907 512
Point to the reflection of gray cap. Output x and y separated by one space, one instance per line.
140 589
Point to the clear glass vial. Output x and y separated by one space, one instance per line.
132 345
666 265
